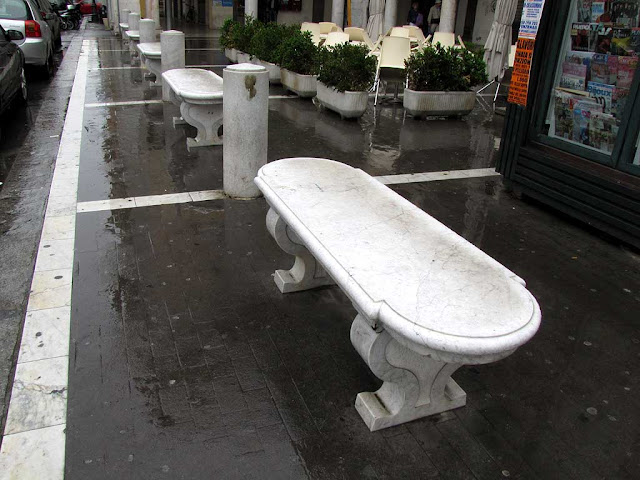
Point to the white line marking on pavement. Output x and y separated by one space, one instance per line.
122 104
34 441
436 176
152 102
149 201
203 195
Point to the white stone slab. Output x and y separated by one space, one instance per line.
205 195
151 200
431 289
194 84
101 205
150 50
61 205
36 454
59 228
45 334
50 289
39 395
55 254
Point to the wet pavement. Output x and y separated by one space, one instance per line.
187 362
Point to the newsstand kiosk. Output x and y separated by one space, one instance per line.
572 129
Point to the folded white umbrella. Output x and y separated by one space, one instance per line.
376 19
496 48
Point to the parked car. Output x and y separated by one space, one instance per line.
33 34
13 83
52 19
86 6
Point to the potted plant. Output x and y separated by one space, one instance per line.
226 39
241 37
346 75
265 47
300 62
440 81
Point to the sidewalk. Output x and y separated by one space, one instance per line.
185 361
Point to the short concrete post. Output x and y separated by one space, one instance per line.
134 21
124 18
447 16
390 15
245 119
147 30
172 56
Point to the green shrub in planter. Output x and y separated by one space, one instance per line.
267 41
241 35
299 54
347 67
439 69
226 33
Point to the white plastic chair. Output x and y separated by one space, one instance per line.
335 38
314 28
393 53
415 34
399 32
447 40
327 27
359 35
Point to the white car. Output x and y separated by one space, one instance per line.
24 18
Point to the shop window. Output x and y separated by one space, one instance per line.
594 79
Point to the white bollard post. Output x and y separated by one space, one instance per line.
245 114
124 18
251 8
147 30
172 56
337 12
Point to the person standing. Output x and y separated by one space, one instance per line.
412 16
433 19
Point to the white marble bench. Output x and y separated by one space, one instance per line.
151 56
134 38
198 92
428 301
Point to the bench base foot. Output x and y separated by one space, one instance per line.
155 72
207 119
307 272
415 386
178 121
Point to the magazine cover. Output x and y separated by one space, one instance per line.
604 69
626 69
584 36
581 117
584 11
603 130
602 93
580 58
597 10
604 39
625 13
621 42
563 115
620 96
635 40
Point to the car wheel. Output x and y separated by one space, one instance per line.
48 68
22 98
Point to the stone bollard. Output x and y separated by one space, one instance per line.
147 30
124 18
245 119
134 21
172 53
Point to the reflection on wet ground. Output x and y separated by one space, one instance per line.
187 362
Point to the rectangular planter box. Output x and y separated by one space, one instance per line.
347 104
438 104
231 54
272 68
242 57
302 85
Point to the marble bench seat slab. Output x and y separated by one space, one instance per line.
151 58
198 92
428 301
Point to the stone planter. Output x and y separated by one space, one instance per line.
242 57
347 104
438 104
231 54
302 85
272 68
